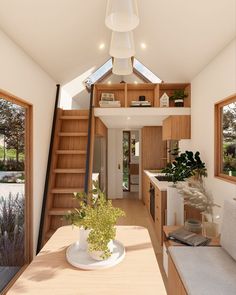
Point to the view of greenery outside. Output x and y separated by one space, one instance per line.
12 219
126 160
229 139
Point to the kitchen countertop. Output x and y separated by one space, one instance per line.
161 185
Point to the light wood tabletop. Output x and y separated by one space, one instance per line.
50 273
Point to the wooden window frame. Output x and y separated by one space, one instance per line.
218 139
28 181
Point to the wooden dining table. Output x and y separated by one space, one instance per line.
50 273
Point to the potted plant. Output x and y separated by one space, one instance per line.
186 165
98 216
178 97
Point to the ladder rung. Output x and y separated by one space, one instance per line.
59 211
67 190
73 171
74 117
73 134
71 152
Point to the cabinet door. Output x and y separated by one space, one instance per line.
176 128
175 285
166 129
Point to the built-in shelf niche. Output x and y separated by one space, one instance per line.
126 93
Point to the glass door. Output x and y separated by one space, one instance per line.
14 188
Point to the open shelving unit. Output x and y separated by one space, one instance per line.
126 93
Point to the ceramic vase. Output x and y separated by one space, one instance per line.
97 255
83 235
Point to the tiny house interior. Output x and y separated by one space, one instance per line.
118 147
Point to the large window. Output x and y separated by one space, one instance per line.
225 149
15 188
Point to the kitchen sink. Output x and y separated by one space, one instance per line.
163 178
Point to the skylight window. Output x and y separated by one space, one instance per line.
104 70
99 73
145 72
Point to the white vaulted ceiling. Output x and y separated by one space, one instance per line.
63 36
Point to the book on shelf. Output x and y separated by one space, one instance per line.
110 104
137 103
188 238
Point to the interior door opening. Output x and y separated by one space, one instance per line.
131 163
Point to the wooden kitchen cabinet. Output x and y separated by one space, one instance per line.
176 128
175 285
146 193
160 212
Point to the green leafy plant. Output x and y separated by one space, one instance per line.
99 216
186 165
178 94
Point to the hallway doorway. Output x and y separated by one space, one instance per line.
131 163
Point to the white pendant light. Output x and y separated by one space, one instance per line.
122 45
122 66
122 15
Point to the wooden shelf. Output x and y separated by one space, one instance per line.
71 152
169 89
125 93
72 134
74 117
59 211
67 190
70 171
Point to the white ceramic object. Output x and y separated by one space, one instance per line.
175 207
122 15
97 255
83 235
122 45
122 66
82 260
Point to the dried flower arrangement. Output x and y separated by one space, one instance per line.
195 195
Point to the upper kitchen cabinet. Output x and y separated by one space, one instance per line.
176 128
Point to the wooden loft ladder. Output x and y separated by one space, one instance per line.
70 168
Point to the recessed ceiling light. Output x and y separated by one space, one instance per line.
143 45
128 118
109 82
135 82
102 46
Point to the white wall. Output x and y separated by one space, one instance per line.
22 77
216 82
114 158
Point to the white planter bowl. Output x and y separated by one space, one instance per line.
83 235
96 255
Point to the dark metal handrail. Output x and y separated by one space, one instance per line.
48 171
86 181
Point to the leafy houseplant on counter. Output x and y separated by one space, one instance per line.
98 216
179 97
186 165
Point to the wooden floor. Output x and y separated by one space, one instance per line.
137 214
